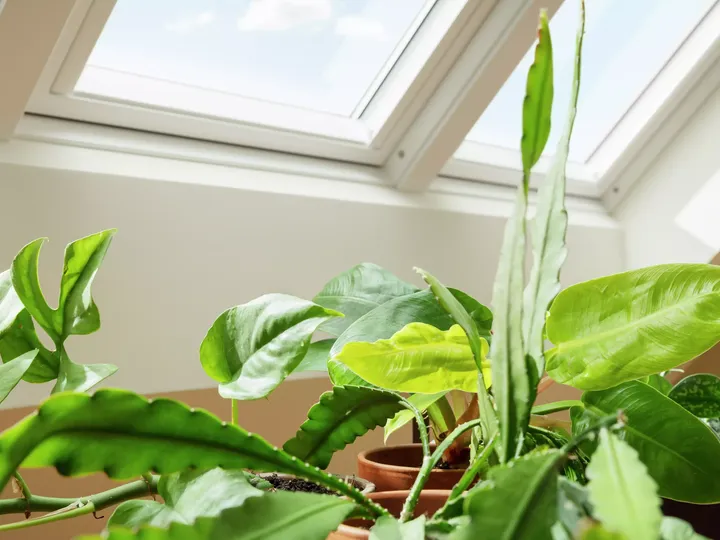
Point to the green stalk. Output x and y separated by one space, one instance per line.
422 428
441 416
24 489
474 469
428 464
87 508
234 412
556 406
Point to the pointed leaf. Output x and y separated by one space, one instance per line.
341 375
188 495
673 528
389 528
21 338
10 304
550 224
342 415
418 358
13 371
626 326
699 394
679 450
80 377
420 401
317 356
252 348
624 496
357 292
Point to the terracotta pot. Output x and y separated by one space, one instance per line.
396 467
430 501
358 483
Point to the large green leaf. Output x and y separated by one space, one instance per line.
673 528
421 402
518 503
626 326
11 373
274 516
252 348
21 338
188 495
699 394
80 377
317 356
623 494
342 415
389 528
680 451
550 224
126 435
358 291
418 358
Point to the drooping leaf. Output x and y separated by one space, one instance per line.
624 496
21 338
630 325
418 358
673 528
341 416
518 502
679 450
10 304
11 373
126 435
659 383
274 516
420 401
317 356
252 348
80 377
699 394
389 528
550 224
188 495
358 291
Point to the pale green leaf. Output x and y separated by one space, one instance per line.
389 528
699 394
12 371
420 401
80 377
317 356
673 528
10 304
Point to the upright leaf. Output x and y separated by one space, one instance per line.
74 377
624 496
358 291
11 373
680 451
389 528
252 348
342 415
550 225
421 402
627 326
699 394
21 338
418 358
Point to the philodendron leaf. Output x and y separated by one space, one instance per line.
550 224
317 356
518 502
624 496
421 402
389 528
12 371
699 394
357 292
80 377
125 435
21 338
252 348
188 495
627 326
681 453
673 528
274 516
341 416
418 358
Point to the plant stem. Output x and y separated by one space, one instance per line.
234 412
556 406
422 427
428 464
589 433
474 469
87 508
24 489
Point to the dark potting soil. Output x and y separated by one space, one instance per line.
297 484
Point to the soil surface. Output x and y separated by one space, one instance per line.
297 484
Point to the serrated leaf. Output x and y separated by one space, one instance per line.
673 528
12 371
389 528
358 291
74 377
188 495
21 338
252 348
699 394
623 327
341 416
624 495
420 401
419 359
317 356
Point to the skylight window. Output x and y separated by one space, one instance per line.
318 55
626 45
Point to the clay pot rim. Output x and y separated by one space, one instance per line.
363 456
365 486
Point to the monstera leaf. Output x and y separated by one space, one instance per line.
11 373
20 338
627 326
74 377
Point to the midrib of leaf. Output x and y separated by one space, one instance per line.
617 475
287 521
355 298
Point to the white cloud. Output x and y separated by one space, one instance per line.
184 25
279 15
360 27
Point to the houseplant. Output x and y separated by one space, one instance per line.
613 337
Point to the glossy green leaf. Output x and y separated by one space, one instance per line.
21 338
673 528
188 495
699 394
342 415
389 528
680 451
418 358
624 496
317 356
125 435
10 304
659 383
274 516
420 401
252 348
341 375
550 223
11 373
74 377
519 501
627 326
357 292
